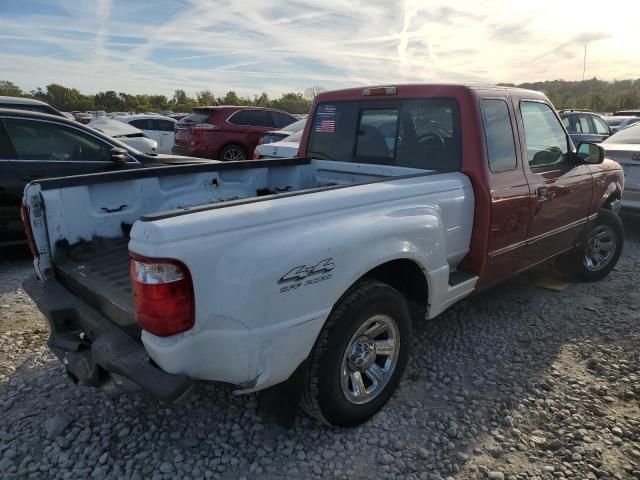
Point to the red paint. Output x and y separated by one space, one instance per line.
513 228
209 138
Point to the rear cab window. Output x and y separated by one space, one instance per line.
419 133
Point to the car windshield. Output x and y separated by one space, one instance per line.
614 121
627 135
415 133
196 117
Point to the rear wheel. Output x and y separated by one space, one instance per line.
359 357
233 153
600 249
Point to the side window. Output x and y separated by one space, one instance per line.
583 124
257 118
36 140
7 152
546 141
164 125
377 133
567 123
280 120
498 133
601 127
237 118
142 124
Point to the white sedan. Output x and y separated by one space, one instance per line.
286 148
158 127
125 133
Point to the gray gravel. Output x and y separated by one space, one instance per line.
516 383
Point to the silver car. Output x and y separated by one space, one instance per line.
624 147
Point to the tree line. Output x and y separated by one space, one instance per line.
594 94
70 99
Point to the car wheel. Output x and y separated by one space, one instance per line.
233 153
600 249
359 356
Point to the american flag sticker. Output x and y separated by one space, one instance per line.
325 126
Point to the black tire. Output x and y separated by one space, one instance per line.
580 262
323 396
233 152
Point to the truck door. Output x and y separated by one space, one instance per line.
510 209
560 188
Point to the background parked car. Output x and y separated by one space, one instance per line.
35 145
627 113
29 104
584 126
84 117
285 148
126 133
624 147
620 122
277 135
227 132
157 127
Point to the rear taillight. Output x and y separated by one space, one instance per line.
28 232
163 295
256 155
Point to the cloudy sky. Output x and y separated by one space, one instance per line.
156 46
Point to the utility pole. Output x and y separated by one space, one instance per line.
584 63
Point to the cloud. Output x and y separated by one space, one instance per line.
158 46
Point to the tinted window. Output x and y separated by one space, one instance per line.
196 117
601 127
281 120
36 140
498 133
254 118
142 124
377 133
545 138
566 123
7 151
162 125
626 135
421 133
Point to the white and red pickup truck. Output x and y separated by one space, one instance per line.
403 201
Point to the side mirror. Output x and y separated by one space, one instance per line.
118 155
590 153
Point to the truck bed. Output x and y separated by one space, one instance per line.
98 271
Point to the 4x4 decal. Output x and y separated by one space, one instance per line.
299 276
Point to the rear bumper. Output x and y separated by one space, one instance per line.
93 350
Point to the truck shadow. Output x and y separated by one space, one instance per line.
473 371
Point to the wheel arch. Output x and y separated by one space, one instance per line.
406 276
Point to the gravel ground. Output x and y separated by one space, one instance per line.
516 383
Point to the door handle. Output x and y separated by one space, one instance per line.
543 193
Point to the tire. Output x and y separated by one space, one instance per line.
233 153
330 393
600 249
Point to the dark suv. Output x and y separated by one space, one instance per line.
226 132
584 126
37 145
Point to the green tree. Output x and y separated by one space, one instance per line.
206 98
9 89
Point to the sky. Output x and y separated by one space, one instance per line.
157 46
